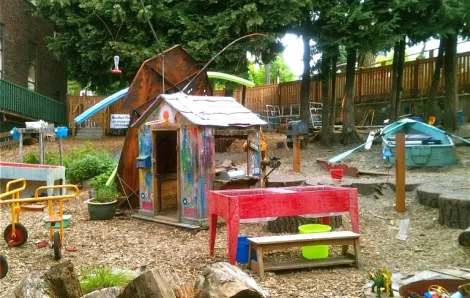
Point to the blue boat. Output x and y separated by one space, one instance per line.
425 145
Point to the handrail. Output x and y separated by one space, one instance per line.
15 193
43 199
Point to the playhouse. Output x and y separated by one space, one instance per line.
176 161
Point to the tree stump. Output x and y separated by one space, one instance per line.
223 280
454 211
451 197
60 281
290 224
464 238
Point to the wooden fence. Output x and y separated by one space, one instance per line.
78 104
371 85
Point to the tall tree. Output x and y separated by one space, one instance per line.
325 66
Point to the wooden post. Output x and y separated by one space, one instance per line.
297 153
21 147
400 172
41 148
60 151
243 95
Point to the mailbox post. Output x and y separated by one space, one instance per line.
296 131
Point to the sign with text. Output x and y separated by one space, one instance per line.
119 121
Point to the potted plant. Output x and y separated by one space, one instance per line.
103 205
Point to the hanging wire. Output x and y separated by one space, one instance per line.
216 55
158 41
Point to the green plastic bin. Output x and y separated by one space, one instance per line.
314 251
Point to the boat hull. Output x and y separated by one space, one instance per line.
425 145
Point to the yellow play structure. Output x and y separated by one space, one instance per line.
16 234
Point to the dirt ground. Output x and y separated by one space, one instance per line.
125 242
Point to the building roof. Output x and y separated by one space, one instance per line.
211 110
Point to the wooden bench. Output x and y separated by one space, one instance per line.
270 243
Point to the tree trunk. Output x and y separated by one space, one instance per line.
366 59
450 78
267 74
334 61
325 122
431 106
393 100
400 69
464 238
350 135
305 85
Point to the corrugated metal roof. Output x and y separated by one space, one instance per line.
212 110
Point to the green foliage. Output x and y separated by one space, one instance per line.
102 277
258 75
79 152
106 193
73 87
89 166
50 158
100 180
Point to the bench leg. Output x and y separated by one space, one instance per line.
259 256
357 253
250 255
344 249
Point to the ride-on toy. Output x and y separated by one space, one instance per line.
16 234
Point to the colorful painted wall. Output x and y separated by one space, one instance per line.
196 163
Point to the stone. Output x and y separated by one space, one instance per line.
223 280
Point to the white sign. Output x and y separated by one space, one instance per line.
119 121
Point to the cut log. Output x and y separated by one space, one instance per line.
152 283
223 280
454 211
113 292
464 238
60 281
290 224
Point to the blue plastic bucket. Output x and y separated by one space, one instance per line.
243 247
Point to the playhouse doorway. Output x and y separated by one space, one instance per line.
166 157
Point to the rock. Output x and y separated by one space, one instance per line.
223 280
113 292
60 281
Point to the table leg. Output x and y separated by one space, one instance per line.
232 238
250 255
357 253
213 232
259 256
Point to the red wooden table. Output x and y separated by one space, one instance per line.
239 204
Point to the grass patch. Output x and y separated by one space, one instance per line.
102 277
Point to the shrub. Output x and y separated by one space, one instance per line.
106 193
50 158
102 277
88 166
